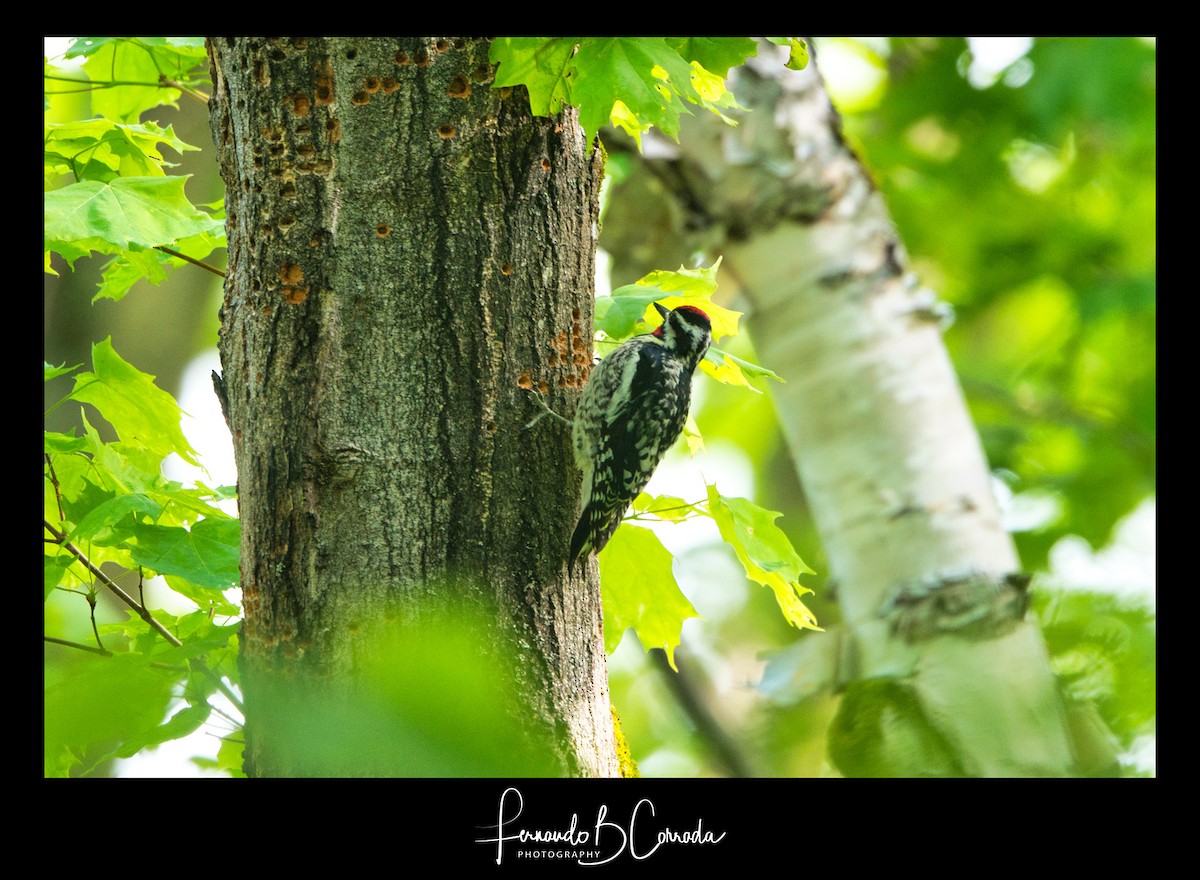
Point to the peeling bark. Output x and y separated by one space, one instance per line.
878 430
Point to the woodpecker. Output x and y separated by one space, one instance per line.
632 411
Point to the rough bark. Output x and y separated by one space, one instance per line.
406 245
880 435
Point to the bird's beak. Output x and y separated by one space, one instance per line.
662 310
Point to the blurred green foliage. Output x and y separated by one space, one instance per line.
430 701
1031 208
1104 653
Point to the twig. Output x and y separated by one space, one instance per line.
95 85
101 650
91 600
548 412
192 260
200 666
112 585
219 711
196 664
57 491
187 90
694 505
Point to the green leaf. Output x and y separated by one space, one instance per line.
73 470
692 287
136 264
541 65
643 73
732 370
126 211
54 568
109 514
619 315
102 701
765 552
626 120
197 630
748 369
209 599
713 94
630 82
797 51
640 593
133 404
666 507
715 54
57 444
101 149
206 554
229 757
186 721
50 372
724 369
133 468
61 443
146 61
186 50
130 467
72 251
127 268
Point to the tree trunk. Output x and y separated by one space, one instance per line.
406 246
942 673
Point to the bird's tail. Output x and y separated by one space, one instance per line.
596 525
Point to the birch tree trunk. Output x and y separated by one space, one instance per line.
942 674
406 245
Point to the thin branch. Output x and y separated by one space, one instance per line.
57 491
91 650
170 667
100 83
187 90
112 585
192 260
693 505
219 683
221 712
95 631
721 742
96 85
75 91
200 665
196 664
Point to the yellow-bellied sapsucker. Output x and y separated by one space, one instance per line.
632 411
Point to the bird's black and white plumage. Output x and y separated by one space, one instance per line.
632 410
